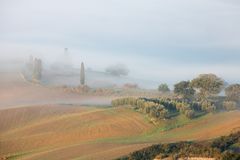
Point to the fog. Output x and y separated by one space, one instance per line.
158 41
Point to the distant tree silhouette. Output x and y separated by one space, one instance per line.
117 70
163 88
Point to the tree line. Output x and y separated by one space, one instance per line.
192 99
206 89
158 108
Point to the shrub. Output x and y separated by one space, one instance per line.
208 106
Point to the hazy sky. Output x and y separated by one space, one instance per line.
165 40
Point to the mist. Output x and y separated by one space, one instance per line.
101 79
158 41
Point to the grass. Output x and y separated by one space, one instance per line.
18 155
153 134
166 130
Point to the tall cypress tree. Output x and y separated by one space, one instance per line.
82 74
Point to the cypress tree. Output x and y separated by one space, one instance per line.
82 74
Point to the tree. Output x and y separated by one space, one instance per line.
229 105
117 70
184 89
163 88
207 85
82 74
233 92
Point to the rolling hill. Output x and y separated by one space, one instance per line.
37 122
68 132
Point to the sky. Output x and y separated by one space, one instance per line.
160 40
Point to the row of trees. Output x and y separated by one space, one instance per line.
195 97
163 108
152 109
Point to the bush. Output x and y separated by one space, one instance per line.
208 106
183 107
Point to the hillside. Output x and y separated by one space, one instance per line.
55 129
64 132
38 122
224 148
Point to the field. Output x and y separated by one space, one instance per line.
43 123
64 128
